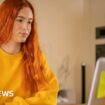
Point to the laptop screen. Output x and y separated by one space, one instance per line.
101 85
97 91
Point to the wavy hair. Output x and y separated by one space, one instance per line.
33 69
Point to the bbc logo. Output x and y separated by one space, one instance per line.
9 93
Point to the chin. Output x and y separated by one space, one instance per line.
23 40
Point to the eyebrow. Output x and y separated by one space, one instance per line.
24 17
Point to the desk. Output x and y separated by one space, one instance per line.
100 101
71 104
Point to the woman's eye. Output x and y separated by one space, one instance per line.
29 22
19 20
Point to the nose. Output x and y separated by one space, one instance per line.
25 26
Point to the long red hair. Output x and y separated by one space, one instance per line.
33 69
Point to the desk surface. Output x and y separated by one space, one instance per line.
71 104
100 101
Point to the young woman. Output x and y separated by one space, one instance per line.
25 77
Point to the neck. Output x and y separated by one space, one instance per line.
11 47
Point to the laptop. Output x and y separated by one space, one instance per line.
100 67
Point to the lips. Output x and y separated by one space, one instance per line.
24 34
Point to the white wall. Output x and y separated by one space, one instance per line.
60 26
94 16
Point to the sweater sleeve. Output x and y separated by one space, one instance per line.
43 96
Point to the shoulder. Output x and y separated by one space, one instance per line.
49 73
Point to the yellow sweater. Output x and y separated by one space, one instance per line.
11 79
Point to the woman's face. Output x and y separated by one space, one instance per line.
22 25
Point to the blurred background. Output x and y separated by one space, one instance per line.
67 33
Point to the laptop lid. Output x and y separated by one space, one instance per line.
100 67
